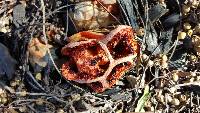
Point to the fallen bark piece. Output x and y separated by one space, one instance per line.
7 63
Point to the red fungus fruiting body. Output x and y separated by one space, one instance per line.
100 60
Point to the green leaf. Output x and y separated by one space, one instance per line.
142 100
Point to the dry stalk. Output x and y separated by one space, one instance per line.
46 41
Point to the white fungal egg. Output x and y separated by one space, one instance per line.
90 15
84 11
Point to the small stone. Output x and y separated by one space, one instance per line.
23 93
164 58
140 32
191 79
197 28
150 63
164 65
39 101
193 74
38 76
3 30
4 95
182 98
13 83
119 83
181 35
145 57
60 110
152 108
76 97
4 100
23 109
172 90
186 8
159 111
168 97
161 99
157 62
175 77
1 91
162 83
193 3
198 78
186 26
18 81
161 1
175 102
190 32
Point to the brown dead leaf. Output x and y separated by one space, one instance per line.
37 51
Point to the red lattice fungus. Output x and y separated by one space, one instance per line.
100 60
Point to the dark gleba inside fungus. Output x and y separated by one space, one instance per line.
100 62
